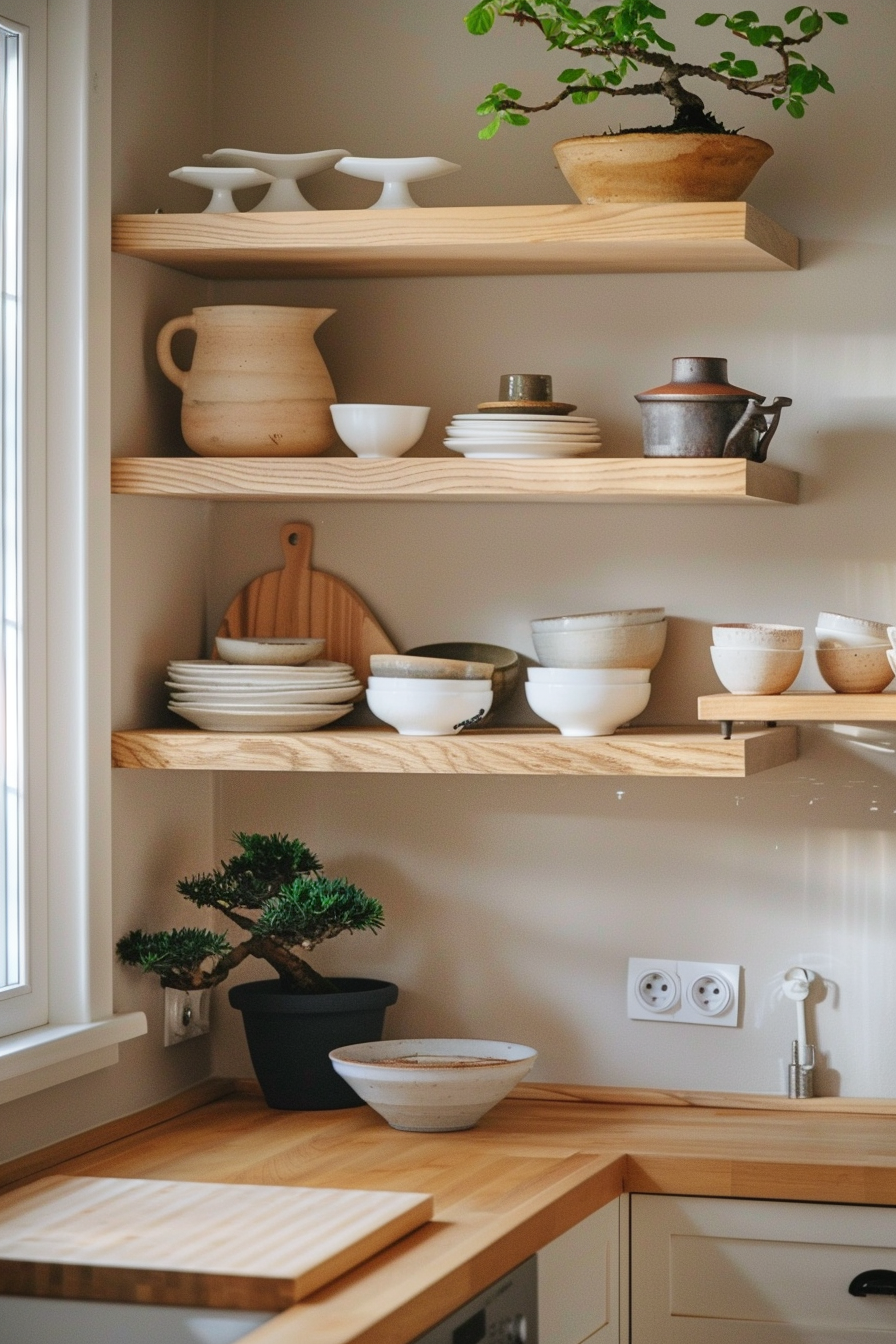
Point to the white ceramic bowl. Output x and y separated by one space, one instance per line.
419 708
621 646
856 671
757 671
751 636
433 1086
590 676
372 430
586 711
272 652
834 631
600 620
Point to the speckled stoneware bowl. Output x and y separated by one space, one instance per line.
505 662
435 1085
753 636
834 631
756 671
429 669
862 671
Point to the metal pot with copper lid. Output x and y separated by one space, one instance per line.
700 414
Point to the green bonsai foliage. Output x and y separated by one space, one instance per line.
624 37
275 891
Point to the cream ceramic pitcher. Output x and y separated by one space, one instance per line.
257 386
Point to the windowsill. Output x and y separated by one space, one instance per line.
45 1056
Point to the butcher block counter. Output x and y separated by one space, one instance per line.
534 1167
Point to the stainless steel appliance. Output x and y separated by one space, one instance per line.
505 1313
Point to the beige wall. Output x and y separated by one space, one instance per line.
513 904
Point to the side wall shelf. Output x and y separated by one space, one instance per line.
463 240
595 479
798 707
688 753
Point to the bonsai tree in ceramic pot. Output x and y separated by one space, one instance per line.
275 892
696 157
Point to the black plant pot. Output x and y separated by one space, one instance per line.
290 1037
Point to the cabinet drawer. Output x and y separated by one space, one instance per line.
731 1271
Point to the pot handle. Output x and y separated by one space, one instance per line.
754 418
163 348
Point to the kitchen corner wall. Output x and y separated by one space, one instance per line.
512 905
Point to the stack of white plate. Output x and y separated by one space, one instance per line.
496 436
225 697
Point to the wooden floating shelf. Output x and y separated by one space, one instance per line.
798 707
689 753
598 480
463 240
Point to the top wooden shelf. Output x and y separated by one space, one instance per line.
463 240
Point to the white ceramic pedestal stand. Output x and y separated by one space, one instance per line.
395 174
221 182
284 169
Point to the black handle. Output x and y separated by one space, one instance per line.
874 1283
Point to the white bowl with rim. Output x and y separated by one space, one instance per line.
429 708
433 1085
268 652
374 430
617 646
586 711
590 676
600 620
750 635
756 671
834 631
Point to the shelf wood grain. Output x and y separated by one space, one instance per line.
598 480
463 240
688 753
798 707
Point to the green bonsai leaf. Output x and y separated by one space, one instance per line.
311 910
179 951
267 863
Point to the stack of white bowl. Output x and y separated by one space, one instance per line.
497 436
429 697
595 673
756 659
254 696
854 655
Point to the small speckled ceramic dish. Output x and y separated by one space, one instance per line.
428 669
433 1086
861 671
263 652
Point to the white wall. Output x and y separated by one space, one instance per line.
513 904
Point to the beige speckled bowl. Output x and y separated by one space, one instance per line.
428 669
862 671
613 646
756 671
753 636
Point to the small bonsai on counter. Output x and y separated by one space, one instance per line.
623 36
275 891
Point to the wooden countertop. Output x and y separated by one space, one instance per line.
536 1165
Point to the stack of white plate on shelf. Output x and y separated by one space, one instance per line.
495 436
234 698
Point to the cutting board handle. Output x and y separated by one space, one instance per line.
296 540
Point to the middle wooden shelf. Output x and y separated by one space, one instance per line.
608 480
684 753
798 707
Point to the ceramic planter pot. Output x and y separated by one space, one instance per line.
290 1037
650 166
257 386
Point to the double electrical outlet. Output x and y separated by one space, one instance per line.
707 992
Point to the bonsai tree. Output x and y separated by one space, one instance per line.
274 890
624 38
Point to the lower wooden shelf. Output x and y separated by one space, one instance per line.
610 480
685 753
798 707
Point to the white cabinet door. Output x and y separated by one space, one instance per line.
737 1271
578 1282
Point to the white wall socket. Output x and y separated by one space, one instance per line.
186 1014
706 992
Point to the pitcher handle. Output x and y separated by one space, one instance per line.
753 413
163 348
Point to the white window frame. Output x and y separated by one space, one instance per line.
81 1032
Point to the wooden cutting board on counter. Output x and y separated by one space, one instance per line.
304 602
182 1243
